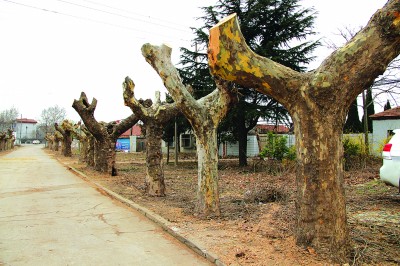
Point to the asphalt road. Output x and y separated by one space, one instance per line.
49 216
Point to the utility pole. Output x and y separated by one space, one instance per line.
366 140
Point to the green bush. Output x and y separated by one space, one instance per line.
351 148
356 153
276 148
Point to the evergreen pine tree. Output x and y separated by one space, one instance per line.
370 109
353 123
387 106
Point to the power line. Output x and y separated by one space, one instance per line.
136 14
119 15
89 19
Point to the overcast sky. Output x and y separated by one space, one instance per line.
51 50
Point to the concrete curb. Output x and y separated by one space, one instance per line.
165 225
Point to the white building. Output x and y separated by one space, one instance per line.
25 130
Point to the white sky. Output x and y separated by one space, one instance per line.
48 58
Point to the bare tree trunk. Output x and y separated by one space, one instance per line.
318 102
50 141
207 156
66 133
10 140
90 151
154 182
2 141
57 138
105 157
321 206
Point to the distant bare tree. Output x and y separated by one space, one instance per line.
7 118
388 83
49 117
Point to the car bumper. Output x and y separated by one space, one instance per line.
390 172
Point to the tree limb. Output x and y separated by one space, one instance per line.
86 112
159 57
230 58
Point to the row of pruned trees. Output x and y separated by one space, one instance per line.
318 102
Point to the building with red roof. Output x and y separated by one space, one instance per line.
25 130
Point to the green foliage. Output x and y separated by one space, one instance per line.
370 109
356 153
276 148
387 106
383 142
291 153
351 148
353 123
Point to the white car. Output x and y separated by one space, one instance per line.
390 170
36 141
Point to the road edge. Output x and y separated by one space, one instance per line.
163 223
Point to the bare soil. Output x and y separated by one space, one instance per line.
258 210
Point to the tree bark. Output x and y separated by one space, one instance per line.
10 139
207 153
57 138
82 135
105 134
154 182
104 156
318 102
154 116
2 141
66 131
204 115
50 140
90 150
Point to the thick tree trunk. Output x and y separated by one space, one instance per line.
321 206
50 142
56 145
2 141
154 182
105 156
207 156
66 138
67 142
